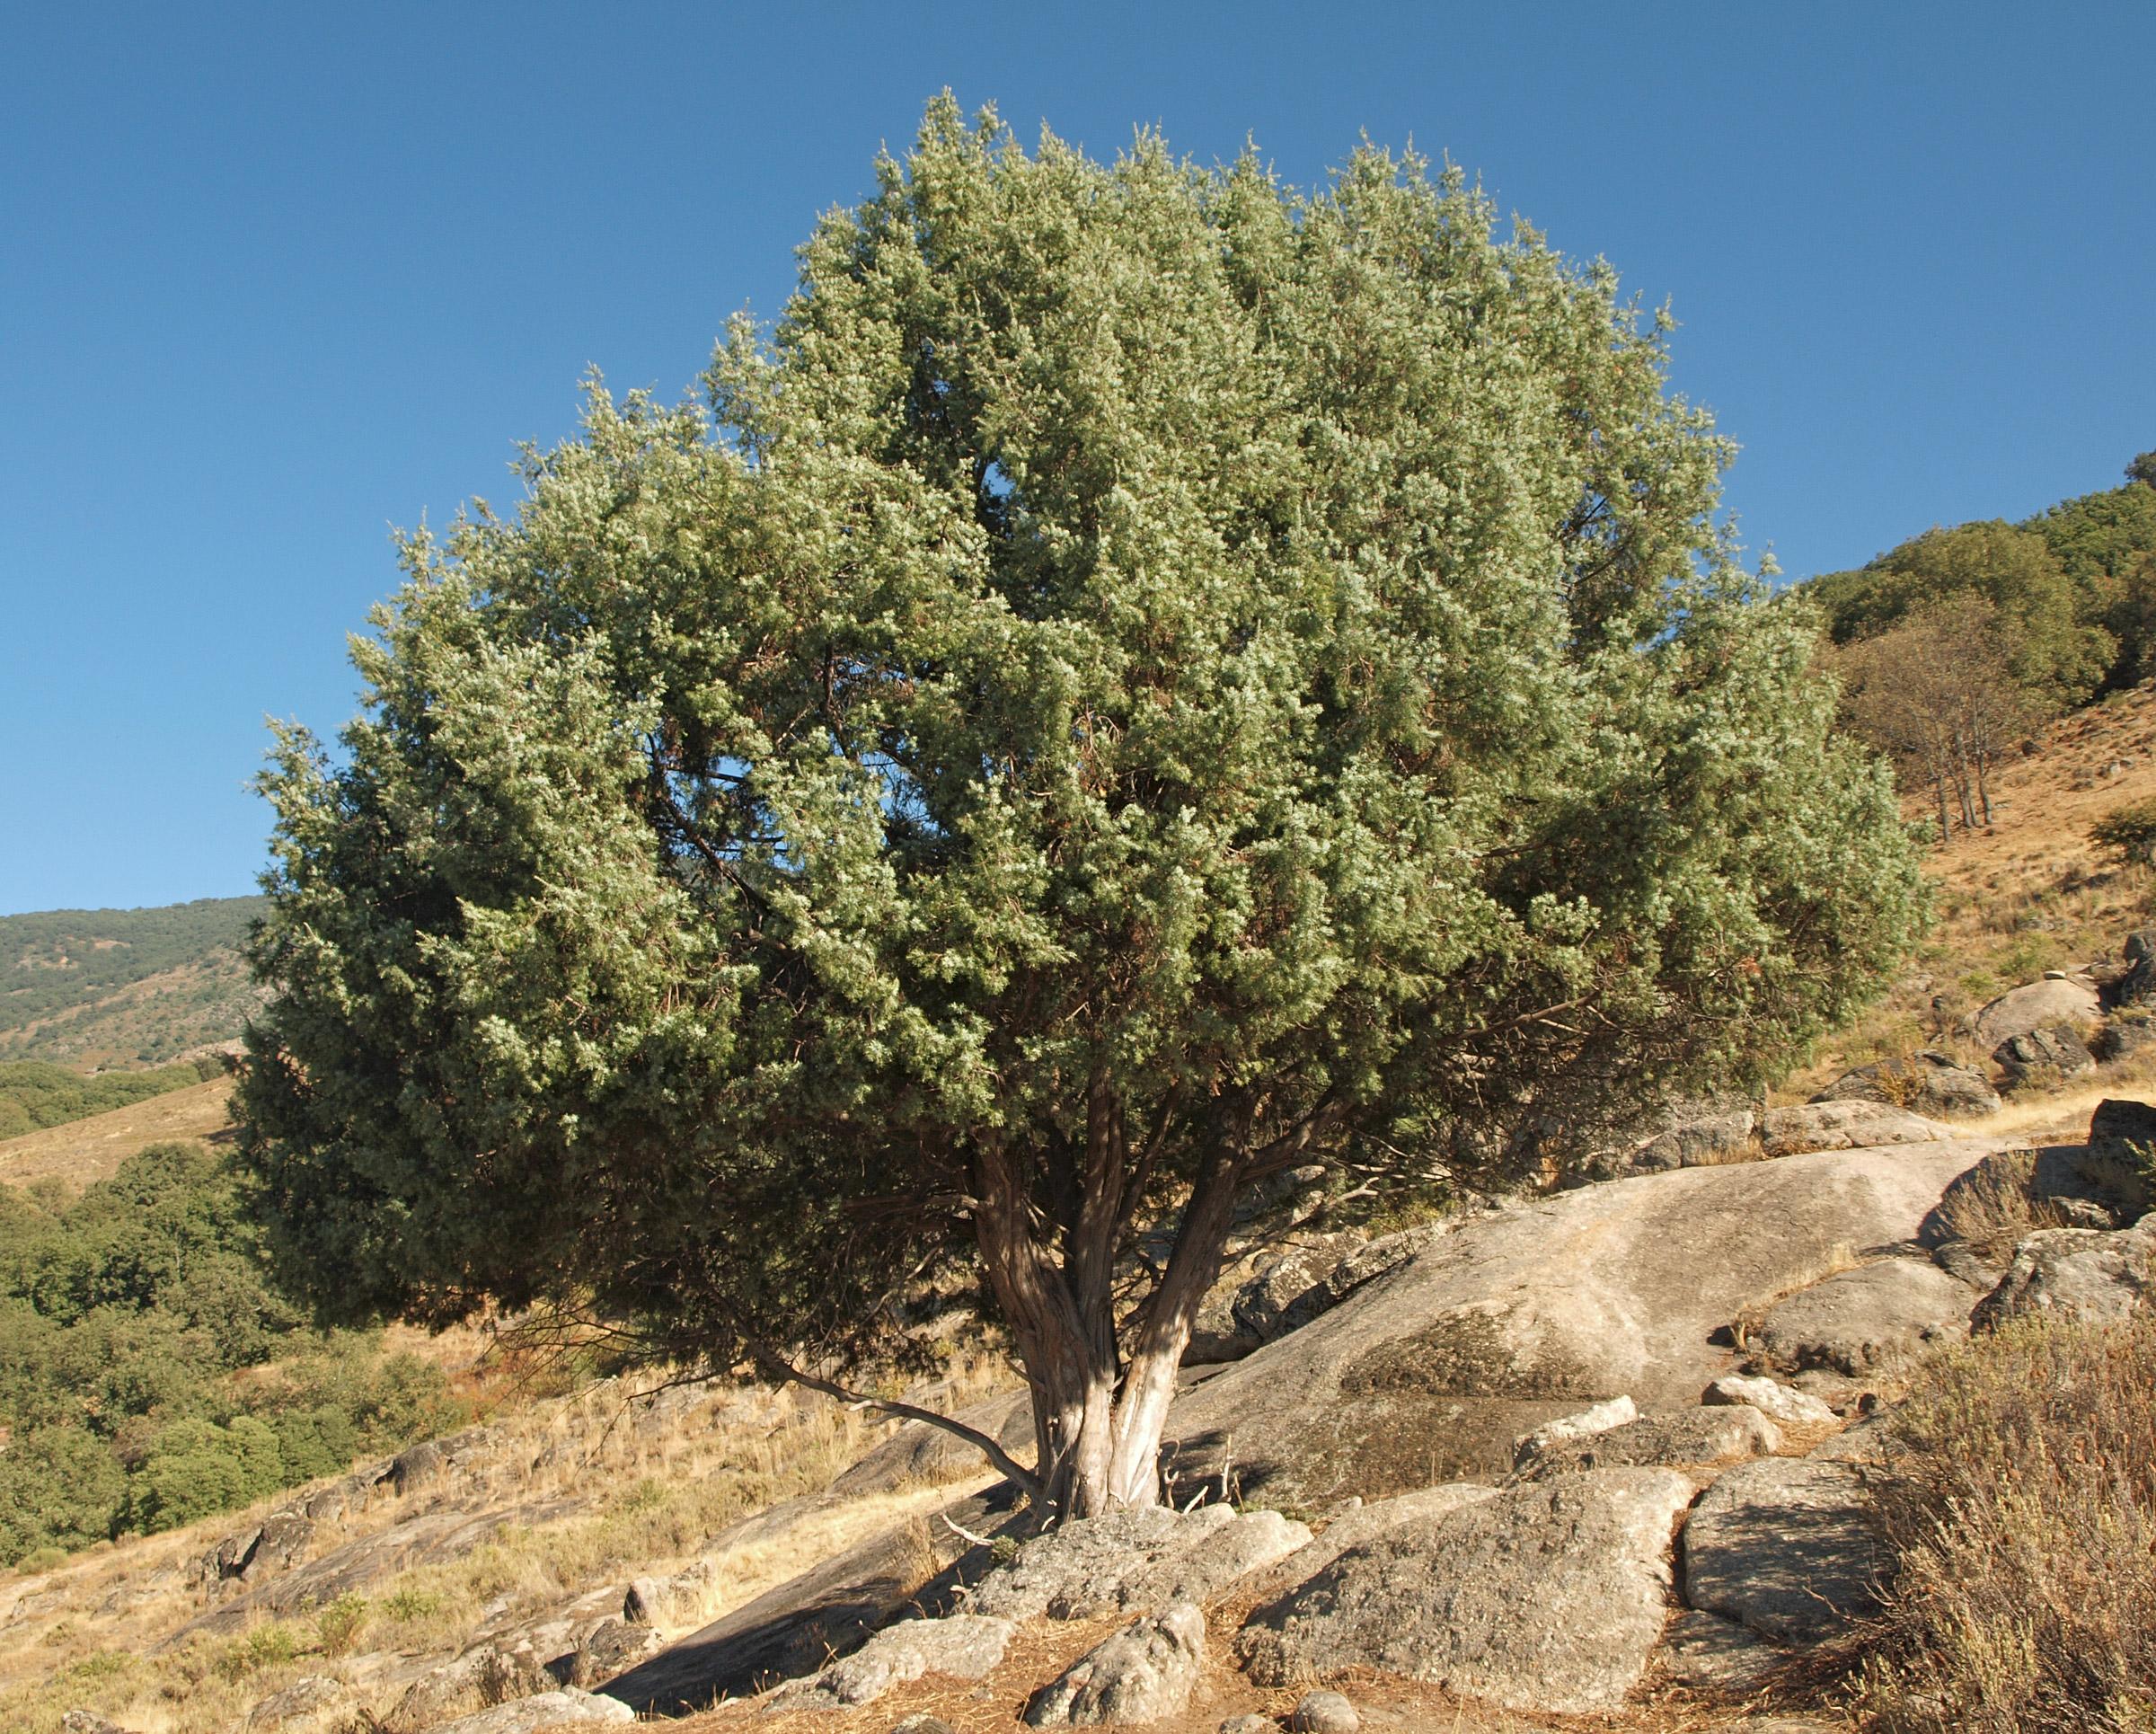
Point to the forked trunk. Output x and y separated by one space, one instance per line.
1099 1404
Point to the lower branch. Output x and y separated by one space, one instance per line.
1028 1482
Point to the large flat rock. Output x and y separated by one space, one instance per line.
1788 1547
1551 1597
1429 1373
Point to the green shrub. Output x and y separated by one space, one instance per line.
2129 831
123 1314
2023 1512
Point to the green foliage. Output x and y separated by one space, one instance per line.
160 981
1145 679
121 1315
34 1094
2106 544
2130 830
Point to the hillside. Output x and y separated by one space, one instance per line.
83 1151
90 987
2030 893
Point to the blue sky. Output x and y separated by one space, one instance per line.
273 280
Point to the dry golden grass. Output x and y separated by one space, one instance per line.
84 1152
2024 1513
2027 895
90 1633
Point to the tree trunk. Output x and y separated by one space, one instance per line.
1098 1411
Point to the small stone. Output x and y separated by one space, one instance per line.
1252 1723
1618 1411
1324 1712
923 1724
644 1602
1774 1400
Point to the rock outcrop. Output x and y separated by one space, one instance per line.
1927 1082
2052 1001
1136 1558
1686 1438
1862 1125
963 1646
1788 1547
1873 1318
1432 1371
1549 1596
2077 1273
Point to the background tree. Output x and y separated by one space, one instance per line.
2142 469
1937 694
2046 626
1146 680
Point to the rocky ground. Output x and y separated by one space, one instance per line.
1600 1457
1601 1454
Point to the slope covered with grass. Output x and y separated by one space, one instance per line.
81 988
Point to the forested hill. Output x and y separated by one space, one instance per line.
126 987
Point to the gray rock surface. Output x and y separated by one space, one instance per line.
1968 1265
1863 1320
1432 1371
1285 1295
309 1703
1144 1673
611 1648
2043 1057
1711 1654
430 1538
1694 1134
2077 1273
1323 1713
2020 1010
828 1611
1926 1081
1601 1418
483 1676
1682 1437
1136 1558
2115 1164
565 1707
1777 1402
963 1646
1361 1522
1805 1127
1547 1597
1788 1547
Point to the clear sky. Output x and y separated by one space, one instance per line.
274 279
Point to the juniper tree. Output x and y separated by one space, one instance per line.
1143 679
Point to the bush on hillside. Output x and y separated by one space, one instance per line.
2130 830
2023 1511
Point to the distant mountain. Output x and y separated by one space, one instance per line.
124 987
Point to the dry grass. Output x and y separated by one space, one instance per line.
1994 1208
2024 1513
89 1634
84 1152
2027 895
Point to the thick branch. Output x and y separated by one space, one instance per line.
1003 1460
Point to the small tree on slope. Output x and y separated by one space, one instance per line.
1145 682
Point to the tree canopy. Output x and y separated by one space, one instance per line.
1143 679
